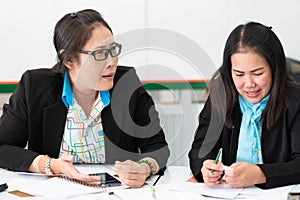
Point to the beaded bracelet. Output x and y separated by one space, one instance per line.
150 166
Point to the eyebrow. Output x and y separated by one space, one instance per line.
104 46
255 70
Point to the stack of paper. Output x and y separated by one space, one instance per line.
59 188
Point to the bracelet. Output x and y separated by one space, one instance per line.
150 166
47 166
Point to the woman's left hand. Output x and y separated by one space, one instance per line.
132 173
242 174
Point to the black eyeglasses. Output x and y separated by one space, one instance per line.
102 54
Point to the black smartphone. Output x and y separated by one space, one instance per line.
107 180
3 187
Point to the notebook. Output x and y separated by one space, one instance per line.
61 187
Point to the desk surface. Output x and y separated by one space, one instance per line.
174 176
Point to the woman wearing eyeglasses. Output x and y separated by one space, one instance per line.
86 109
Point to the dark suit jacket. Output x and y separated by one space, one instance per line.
36 115
280 145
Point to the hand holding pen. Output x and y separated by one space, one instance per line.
217 160
212 170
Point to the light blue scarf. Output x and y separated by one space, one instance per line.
249 146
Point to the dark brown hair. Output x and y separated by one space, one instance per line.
72 32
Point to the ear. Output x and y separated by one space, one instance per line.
69 63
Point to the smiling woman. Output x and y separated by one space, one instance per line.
251 75
252 113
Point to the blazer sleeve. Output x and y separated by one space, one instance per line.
14 129
131 123
150 136
287 171
206 141
152 142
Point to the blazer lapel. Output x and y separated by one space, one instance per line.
113 123
54 121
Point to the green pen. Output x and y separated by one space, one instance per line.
217 159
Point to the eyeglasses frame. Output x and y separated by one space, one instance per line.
92 53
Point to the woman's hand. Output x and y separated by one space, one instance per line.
64 165
132 173
209 178
242 174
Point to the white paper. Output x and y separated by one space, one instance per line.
224 191
162 192
257 193
59 188
34 174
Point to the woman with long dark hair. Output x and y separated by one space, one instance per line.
252 113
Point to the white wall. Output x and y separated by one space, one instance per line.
27 30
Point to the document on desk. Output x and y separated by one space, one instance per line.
161 192
62 188
223 191
257 193
56 187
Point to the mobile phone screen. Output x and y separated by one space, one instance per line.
107 180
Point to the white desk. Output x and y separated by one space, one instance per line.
178 175
174 175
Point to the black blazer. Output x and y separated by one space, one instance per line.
36 116
280 145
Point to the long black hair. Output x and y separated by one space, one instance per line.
262 40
